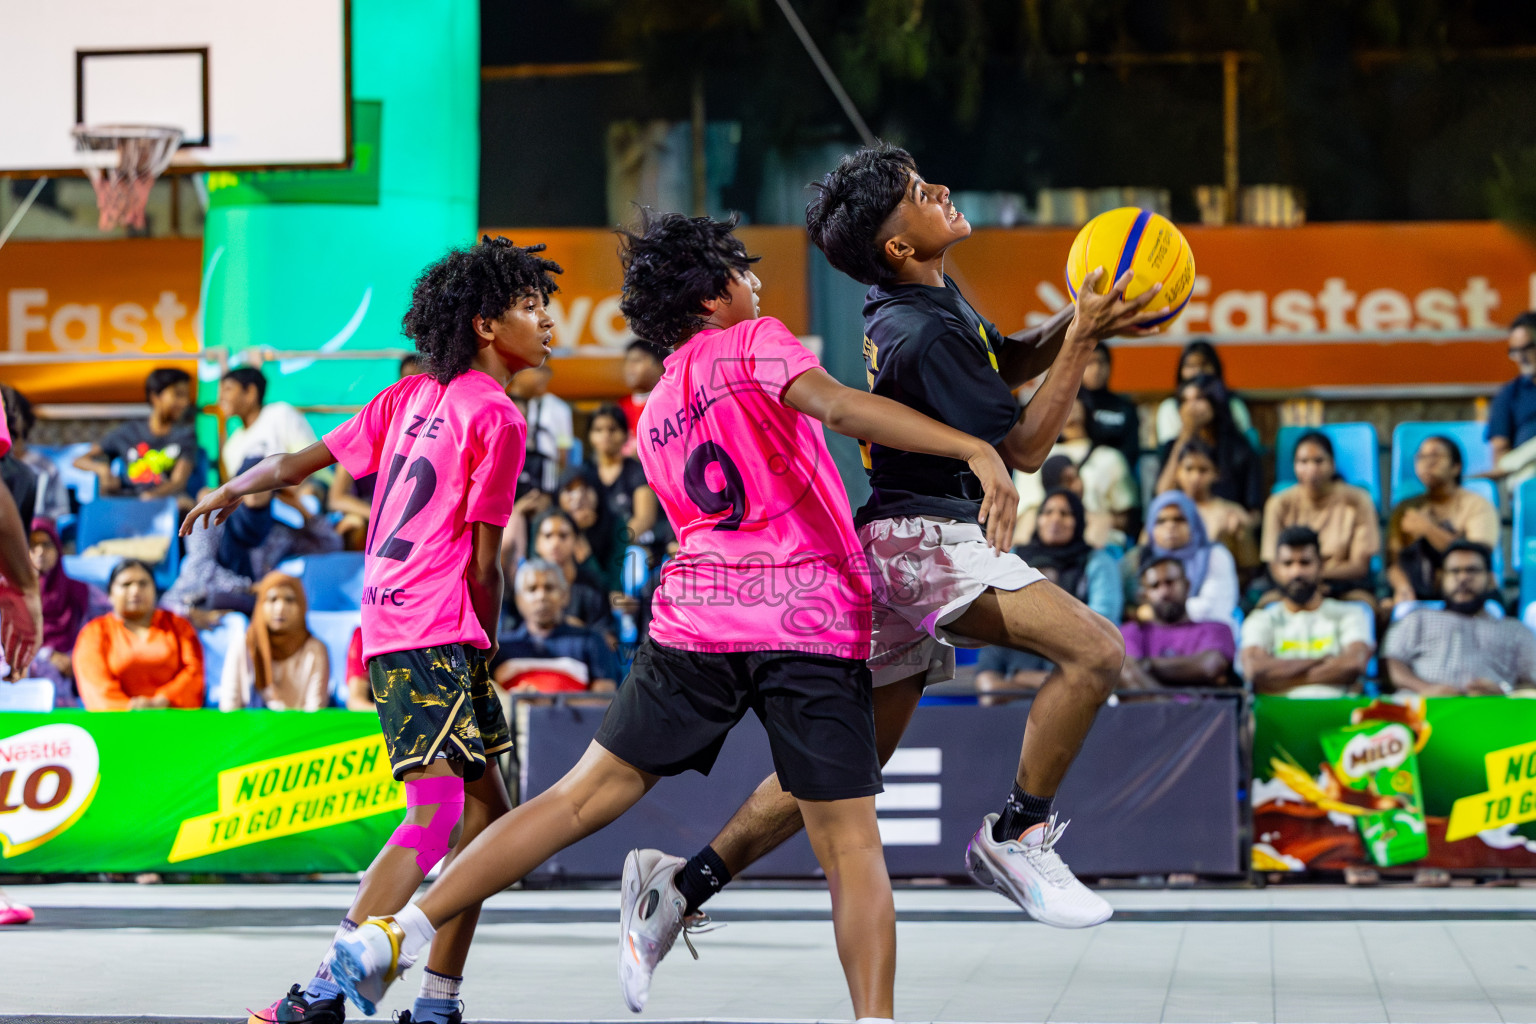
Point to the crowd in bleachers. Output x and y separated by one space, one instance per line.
1165 521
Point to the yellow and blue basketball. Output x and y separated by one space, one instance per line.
1143 242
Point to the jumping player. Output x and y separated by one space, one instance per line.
936 585
765 607
447 445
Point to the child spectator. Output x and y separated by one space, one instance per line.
284 667
1170 649
267 428
547 654
1226 522
1205 415
1305 644
1423 527
1108 492
1199 359
620 480
599 534
157 454
1342 516
52 496
66 604
138 656
1177 531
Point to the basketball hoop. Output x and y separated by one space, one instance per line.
123 161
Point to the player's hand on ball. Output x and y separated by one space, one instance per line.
1000 501
214 507
1105 316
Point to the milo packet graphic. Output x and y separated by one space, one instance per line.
1377 759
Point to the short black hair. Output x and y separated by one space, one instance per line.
1526 320
132 563
478 280
1298 538
1198 448
1151 561
656 352
19 417
851 206
612 412
408 360
1482 551
163 377
671 268
249 377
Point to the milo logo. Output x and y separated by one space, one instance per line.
1382 749
48 778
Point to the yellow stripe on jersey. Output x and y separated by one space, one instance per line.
988 344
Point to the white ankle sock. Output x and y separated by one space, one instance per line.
874 1020
418 930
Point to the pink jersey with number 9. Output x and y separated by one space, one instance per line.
768 559
446 456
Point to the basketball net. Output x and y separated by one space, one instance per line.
123 161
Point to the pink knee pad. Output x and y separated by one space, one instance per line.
432 840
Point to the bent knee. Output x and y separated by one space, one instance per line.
1101 658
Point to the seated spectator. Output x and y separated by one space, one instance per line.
66 608
284 667
1170 649
599 533
555 540
547 654
359 689
1113 419
1305 644
1342 516
52 496
1199 359
1177 531
1108 492
1424 526
1204 415
267 428
1460 649
157 454
1512 417
1064 557
138 656
551 426
1057 473
621 482
644 363
1226 522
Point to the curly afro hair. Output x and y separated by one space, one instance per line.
481 280
671 268
851 206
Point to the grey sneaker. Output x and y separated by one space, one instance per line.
650 920
1029 871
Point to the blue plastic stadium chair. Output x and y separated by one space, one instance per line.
218 643
1406 438
110 518
1357 455
82 482
92 569
27 695
1524 527
335 629
332 582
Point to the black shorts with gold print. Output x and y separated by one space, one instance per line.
438 702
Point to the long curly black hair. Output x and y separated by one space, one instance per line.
480 280
671 268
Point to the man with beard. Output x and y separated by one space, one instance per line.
1171 650
1462 649
1304 645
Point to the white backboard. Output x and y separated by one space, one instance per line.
250 85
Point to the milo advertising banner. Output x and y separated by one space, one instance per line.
1446 782
193 791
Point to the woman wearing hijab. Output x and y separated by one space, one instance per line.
285 668
1177 531
66 602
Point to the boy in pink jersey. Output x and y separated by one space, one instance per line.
765 608
447 445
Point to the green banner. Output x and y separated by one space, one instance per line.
359 183
1445 782
194 791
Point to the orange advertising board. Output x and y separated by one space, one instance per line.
83 299
1291 308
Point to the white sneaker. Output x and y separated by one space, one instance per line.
650 920
1029 871
367 960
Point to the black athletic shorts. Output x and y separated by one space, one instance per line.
438 702
676 706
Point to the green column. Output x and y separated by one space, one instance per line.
308 260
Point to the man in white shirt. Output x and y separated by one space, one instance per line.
551 426
266 428
1304 645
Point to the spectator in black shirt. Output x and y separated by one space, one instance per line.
158 454
1205 414
1113 419
621 481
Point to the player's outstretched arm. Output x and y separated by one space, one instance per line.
1096 316
868 417
270 474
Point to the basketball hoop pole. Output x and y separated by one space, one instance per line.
21 211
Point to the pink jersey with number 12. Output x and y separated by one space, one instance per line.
447 456
768 558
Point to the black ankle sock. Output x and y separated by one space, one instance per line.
1020 813
702 877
